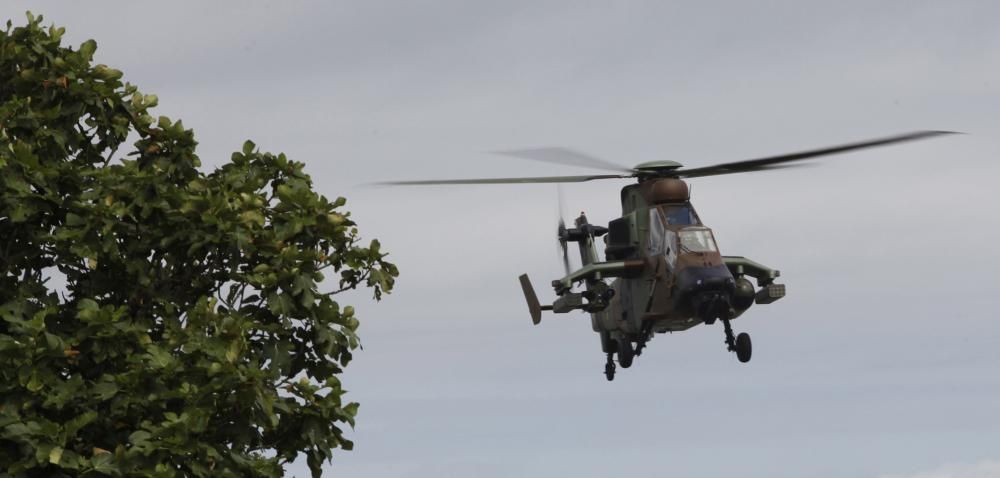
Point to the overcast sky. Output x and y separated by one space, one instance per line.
881 362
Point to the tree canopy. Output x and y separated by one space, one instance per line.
155 319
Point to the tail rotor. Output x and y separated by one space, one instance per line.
562 233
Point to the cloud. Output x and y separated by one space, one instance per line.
983 469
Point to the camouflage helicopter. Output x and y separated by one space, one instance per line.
668 273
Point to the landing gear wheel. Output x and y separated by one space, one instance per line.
609 368
743 347
625 352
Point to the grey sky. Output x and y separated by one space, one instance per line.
881 361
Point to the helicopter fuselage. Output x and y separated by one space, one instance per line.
668 273
684 280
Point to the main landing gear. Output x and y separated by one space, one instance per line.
739 343
626 354
609 367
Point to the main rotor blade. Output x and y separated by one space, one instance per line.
565 156
561 203
542 179
771 162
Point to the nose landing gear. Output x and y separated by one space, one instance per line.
712 306
739 343
743 347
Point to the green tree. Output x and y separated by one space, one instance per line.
192 336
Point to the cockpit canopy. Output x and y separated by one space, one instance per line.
675 229
673 215
697 239
679 215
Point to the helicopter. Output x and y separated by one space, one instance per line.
665 269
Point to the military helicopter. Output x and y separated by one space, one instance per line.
668 273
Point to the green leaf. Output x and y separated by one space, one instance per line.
252 217
88 48
139 437
55 455
280 303
159 357
35 384
87 309
233 352
79 422
104 390
104 463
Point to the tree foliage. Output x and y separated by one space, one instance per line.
192 336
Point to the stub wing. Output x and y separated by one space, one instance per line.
769 292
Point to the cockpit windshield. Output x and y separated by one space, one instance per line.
669 240
697 240
682 215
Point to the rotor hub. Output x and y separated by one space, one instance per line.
656 169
